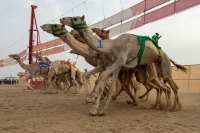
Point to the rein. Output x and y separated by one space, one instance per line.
61 29
78 26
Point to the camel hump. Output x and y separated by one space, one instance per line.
150 45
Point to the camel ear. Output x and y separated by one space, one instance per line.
108 31
83 17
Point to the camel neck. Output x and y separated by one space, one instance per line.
77 46
42 59
101 46
21 63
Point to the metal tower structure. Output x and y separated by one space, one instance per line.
31 31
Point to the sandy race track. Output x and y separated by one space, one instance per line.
35 112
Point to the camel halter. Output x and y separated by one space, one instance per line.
78 26
61 29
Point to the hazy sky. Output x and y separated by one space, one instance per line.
180 32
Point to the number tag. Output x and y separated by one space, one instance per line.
90 50
100 44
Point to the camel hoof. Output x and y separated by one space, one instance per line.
93 112
129 102
86 102
102 97
113 98
173 110
153 107
135 104
160 107
101 113
141 97
179 106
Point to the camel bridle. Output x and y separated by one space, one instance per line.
78 26
56 30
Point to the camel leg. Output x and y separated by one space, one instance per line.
167 76
49 79
128 86
26 81
71 84
112 86
86 78
94 111
146 93
102 80
144 79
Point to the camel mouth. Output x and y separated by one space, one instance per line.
62 22
42 27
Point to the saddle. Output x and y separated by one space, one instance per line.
62 62
44 64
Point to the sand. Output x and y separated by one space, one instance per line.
35 112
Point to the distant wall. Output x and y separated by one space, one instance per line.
188 82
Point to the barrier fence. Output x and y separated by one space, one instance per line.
188 82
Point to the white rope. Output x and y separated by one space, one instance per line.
103 13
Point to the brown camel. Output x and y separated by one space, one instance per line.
124 50
78 47
33 69
66 76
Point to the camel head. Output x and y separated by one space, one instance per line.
55 29
14 56
75 33
20 75
47 59
103 34
77 23
37 54
77 36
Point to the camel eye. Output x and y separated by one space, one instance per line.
75 19
55 26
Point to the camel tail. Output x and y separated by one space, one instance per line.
179 67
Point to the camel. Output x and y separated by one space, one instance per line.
125 53
26 74
82 49
60 30
66 76
33 69
104 34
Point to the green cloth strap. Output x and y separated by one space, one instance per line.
61 29
142 40
78 26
